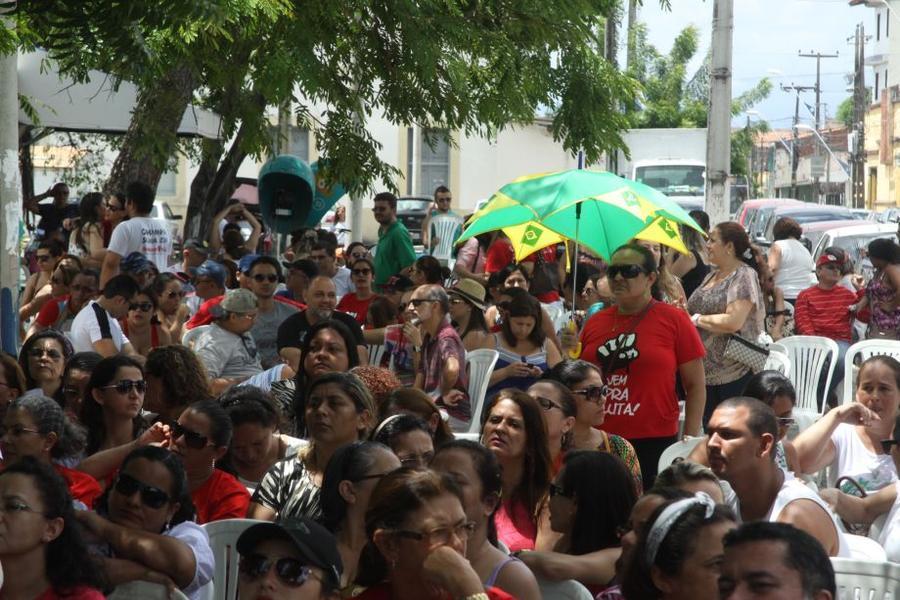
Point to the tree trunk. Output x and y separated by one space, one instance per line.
632 34
151 138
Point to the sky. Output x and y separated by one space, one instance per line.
767 37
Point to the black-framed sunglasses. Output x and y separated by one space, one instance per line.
259 278
42 257
417 301
626 271
547 403
557 490
289 570
785 421
151 496
361 272
126 385
192 439
141 306
594 393
886 445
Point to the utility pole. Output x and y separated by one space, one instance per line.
10 202
858 161
795 150
632 34
718 144
818 125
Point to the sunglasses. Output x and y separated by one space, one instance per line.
626 271
151 496
141 306
361 271
593 394
886 445
42 257
39 352
126 385
416 302
192 439
785 421
259 278
289 570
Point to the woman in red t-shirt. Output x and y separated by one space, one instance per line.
640 344
42 550
356 304
417 534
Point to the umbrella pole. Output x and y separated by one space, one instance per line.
575 260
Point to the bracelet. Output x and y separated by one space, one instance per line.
478 596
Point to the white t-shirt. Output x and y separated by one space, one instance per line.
793 489
890 532
92 324
342 283
196 538
146 235
852 458
797 270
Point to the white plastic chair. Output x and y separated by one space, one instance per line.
679 449
864 548
568 589
189 337
223 537
778 361
444 228
864 350
809 354
376 354
144 590
480 364
866 579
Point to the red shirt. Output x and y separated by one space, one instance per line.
356 308
382 591
499 254
82 486
639 366
203 316
221 497
49 313
824 312
81 592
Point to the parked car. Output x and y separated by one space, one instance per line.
812 232
162 211
748 208
757 224
411 210
809 213
889 215
855 239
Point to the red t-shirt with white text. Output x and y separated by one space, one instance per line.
639 366
356 308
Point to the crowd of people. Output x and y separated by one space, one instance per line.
324 389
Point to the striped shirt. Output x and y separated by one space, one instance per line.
289 490
824 312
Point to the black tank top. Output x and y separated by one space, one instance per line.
693 278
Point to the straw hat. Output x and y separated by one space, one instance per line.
470 290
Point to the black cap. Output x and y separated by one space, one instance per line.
315 544
308 267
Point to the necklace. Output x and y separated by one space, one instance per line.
630 317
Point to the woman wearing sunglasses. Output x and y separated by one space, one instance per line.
43 358
295 559
200 437
559 417
145 523
418 530
141 327
351 476
356 304
885 501
339 410
584 381
171 311
640 344
42 549
36 426
590 500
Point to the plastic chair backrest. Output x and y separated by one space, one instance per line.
809 355
778 361
480 364
864 548
444 227
864 350
145 590
190 336
679 449
568 589
223 537
376 354
866 579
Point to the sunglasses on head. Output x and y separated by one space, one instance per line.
126 385
886 445
259 277
50 352
192 439
151 496
289 570
141 306
626 271
594 393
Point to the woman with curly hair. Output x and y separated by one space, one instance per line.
42 542
175 378
43 358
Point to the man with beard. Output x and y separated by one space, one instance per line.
264 274
321 299
741 448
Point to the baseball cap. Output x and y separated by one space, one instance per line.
239 301
135 262
197 245
246 261
315 544
828 259
308 267
213 270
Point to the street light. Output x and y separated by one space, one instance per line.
824 143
